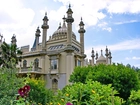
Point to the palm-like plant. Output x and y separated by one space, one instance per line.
9 52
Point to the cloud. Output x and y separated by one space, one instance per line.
16 19
103 24
125 45
123 6
136 58
125 22
109 29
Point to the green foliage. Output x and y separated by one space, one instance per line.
38 92
134 98
90 93
122 78
9 52
9 83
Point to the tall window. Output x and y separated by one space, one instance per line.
36 63
54 64
24 63
78 63
54 84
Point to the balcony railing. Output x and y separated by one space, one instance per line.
29 69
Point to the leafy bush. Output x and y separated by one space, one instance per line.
134 98
38 92
91 93
9 83
123 79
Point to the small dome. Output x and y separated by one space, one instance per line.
62 31
101 58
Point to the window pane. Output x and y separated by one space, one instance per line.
54 64
79 63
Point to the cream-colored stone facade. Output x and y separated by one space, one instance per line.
56 58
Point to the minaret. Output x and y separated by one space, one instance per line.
96 55
82 31
92 55
37 35
1 36
64 20
45 26
110 57
106 50
14 40
69 49
69 21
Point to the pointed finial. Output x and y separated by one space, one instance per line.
45 13
101 52
92 50
81 19
69 5
64 19
60 24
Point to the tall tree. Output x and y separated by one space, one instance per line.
8 52
122 78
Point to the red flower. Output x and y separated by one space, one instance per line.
69 103
24 91
26 88
21 92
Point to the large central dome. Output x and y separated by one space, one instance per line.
62 32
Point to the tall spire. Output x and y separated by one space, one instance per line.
45 26
64 20
14 40
101 52
96 55
92 55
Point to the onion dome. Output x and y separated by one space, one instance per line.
62 31
101 59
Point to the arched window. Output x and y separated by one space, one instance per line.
24 63
54 84
36 63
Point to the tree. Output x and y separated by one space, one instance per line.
122 78
9 83
9 51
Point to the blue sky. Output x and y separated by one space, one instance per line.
112 23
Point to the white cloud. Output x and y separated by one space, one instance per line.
127 58
125 22
109 29
103 24
123 6
16 20
136 58
125 45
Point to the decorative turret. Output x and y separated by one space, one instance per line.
96 55
81 31
37 34
1 36
106 54
110 57
14 40
36 42
92 55
69 21
45 26
69 15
